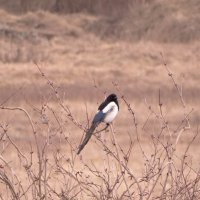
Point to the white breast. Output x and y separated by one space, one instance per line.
110 111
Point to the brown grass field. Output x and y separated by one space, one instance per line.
57 64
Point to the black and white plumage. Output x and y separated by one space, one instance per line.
106 113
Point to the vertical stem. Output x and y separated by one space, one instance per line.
45 177
119 160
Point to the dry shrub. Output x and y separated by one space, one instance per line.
69 6
158 21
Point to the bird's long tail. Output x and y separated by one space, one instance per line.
87 137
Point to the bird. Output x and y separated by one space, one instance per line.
107 111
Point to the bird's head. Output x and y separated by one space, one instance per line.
112 97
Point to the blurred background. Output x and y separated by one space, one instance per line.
102 41
82 45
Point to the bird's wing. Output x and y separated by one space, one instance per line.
98 117
102 105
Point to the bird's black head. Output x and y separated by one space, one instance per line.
112 97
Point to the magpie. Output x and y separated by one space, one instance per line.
106 113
